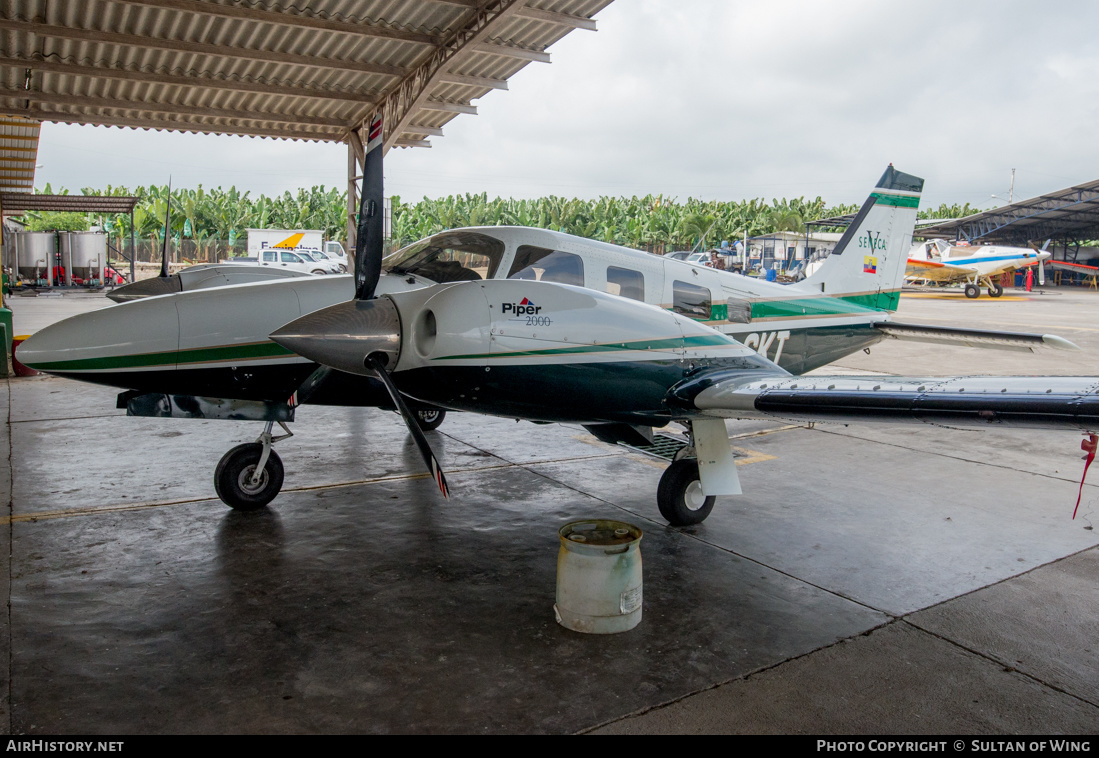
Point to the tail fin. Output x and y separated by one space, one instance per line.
869 259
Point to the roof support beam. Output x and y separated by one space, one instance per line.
288 19
513 52
437 105
165 108
76 69
430 131
404 142
411 93
473 81
198 48
574 22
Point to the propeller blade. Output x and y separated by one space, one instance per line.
164 247
1041 273
309 386
433 466
369 245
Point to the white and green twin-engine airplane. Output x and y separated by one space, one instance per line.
543 326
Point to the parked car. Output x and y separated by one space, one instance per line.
283 259
331 266
678 255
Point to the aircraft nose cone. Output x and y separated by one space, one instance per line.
343 335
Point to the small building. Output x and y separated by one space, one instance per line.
786 251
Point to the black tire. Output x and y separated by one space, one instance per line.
318 272
430 418
680 497
996 290
233 474
972 291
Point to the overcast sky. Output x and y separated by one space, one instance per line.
720 99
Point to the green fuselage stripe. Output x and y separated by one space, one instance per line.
674 343
221 354
900 201
818 307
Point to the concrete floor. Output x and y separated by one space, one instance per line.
872 580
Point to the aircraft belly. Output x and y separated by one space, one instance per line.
632 392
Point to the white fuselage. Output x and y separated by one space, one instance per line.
982 262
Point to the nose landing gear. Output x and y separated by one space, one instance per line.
250 476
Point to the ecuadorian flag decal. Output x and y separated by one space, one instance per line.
869 264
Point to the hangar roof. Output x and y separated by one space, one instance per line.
15 203
1071 213
273 68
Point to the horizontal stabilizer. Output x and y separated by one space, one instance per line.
949 335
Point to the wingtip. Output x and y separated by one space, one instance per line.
1059 343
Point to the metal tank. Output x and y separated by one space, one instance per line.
83 255
35 255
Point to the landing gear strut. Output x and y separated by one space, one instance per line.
249 476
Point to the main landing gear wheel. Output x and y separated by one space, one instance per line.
430 419
995 290
679 495
972 291
233 478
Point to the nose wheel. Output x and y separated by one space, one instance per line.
250 476
428 419
679 495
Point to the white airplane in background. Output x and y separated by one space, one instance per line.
939 261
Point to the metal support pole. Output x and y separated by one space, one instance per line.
355 157
133 247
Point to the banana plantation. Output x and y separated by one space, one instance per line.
208 225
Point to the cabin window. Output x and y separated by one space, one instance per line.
626 283
691 300
290 258
739 311
449 257
540 264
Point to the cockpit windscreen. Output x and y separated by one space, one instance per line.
449 257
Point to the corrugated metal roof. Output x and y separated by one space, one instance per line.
15 203
18 153
1071 213
281 69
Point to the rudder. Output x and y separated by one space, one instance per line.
869 260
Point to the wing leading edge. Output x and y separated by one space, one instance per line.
1053 402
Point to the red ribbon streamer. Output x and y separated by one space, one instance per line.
1088 446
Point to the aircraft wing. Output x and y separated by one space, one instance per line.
949 335
973 401
936 272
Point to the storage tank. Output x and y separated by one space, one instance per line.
83 255
35 255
